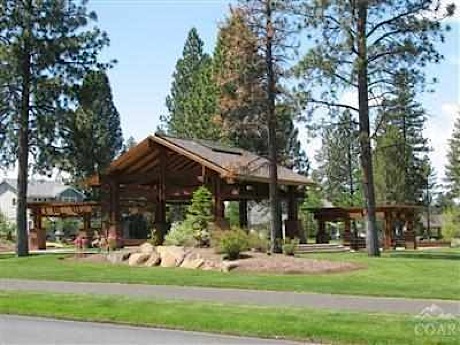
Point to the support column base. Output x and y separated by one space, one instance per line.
37 239
292 228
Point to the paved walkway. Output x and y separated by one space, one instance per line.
245 297
19 330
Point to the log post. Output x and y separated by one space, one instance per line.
388 229
292 224
321 236
243 213
37 235
87 233
347 232
115 230
160 211
219 206
409 235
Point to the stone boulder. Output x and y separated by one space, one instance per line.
192 261
210 265
171 256
146 248
153 260
137 259
227 266
117 257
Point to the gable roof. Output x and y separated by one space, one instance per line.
40 188
227 161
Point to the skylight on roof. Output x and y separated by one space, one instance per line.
216 147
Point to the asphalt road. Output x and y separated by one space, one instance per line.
244 297
17 330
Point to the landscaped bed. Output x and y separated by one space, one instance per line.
251 262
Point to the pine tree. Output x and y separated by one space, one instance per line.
290 151
129 144
361 44
239 74
401 150
192 101
94 134
240 77
269 21
453 162
46 47
339 169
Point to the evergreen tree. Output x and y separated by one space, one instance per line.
129 144
401 150
339 169
269 21
239 73
94 133
453 161
362 43
290 152
240 77
192 101
46 47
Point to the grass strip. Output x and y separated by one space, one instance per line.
267 322
386 276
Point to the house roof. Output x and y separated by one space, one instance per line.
40 188
227 161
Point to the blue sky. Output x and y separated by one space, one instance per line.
147 38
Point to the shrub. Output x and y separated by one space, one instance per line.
199 213
194 230
451 224
156 238
181 234
258 242
7 229
112 243
233 242
290 245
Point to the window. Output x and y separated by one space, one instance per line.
69 199
13 202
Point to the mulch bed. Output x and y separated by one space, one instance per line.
260 263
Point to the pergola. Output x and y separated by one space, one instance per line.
390 214
163 169
37 234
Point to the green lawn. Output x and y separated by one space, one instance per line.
293 323
385 276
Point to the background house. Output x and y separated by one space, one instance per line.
37 191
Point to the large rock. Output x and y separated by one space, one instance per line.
192 261
227 266
153 260
137 259
171 256
117 257
210 265
146 248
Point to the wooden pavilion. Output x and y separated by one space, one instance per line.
163 169
39 210
392 216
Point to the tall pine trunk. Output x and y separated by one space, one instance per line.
275 214
23 141
372 241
